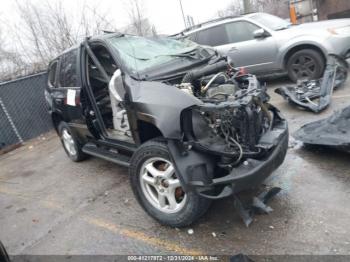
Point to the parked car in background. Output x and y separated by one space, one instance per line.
189 128
265 44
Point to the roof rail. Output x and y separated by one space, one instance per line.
208 22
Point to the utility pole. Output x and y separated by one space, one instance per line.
246 6
183 15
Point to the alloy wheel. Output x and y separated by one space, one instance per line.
161 186
68 142
304 67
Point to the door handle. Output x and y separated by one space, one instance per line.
59 100
233 49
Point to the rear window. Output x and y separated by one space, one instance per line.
68 69
213 36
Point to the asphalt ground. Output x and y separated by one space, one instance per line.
52 206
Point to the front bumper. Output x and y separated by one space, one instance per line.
195 171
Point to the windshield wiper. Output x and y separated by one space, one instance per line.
191 55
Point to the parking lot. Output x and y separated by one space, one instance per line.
50 205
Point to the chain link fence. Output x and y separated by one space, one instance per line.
23 110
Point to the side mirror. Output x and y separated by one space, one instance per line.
260 33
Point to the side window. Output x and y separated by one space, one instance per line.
52 74
213 36
240 31
68 69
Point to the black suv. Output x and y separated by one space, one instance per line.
190 127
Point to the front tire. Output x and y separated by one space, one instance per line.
70 143
158 189
306 64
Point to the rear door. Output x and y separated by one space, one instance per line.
65 88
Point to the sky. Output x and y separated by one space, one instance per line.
164 14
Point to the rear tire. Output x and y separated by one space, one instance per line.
305 64
70 143
158 189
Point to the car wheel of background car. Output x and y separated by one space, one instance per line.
305 64
70 143
158 189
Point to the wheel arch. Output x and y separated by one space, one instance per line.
147 131
297 48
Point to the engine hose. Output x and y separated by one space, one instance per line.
204 89
207 70
240 151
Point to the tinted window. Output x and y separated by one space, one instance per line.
240 31
68 69
52 74
212 36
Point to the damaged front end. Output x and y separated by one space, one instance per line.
316 95
232 141
332 132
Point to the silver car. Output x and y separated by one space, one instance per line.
265 44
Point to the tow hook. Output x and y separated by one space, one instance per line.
258 205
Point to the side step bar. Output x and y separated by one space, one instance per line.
92 149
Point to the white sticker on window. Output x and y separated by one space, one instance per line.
71 97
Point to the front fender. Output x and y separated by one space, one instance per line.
160 105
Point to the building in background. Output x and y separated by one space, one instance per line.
331 9
313 10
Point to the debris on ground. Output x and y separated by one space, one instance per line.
213 234
315 95
190 231
258 205
294 144
333 131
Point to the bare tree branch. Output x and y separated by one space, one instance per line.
139 23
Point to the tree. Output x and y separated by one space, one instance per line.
232 9
10 63
237 7
139 24
46 30
275 7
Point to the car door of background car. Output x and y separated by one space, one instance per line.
236 39
64 88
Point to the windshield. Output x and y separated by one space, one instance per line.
270 21
140 53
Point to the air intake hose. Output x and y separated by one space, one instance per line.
207 70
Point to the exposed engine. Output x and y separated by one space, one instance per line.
234 115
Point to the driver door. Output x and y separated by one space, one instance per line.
255 54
